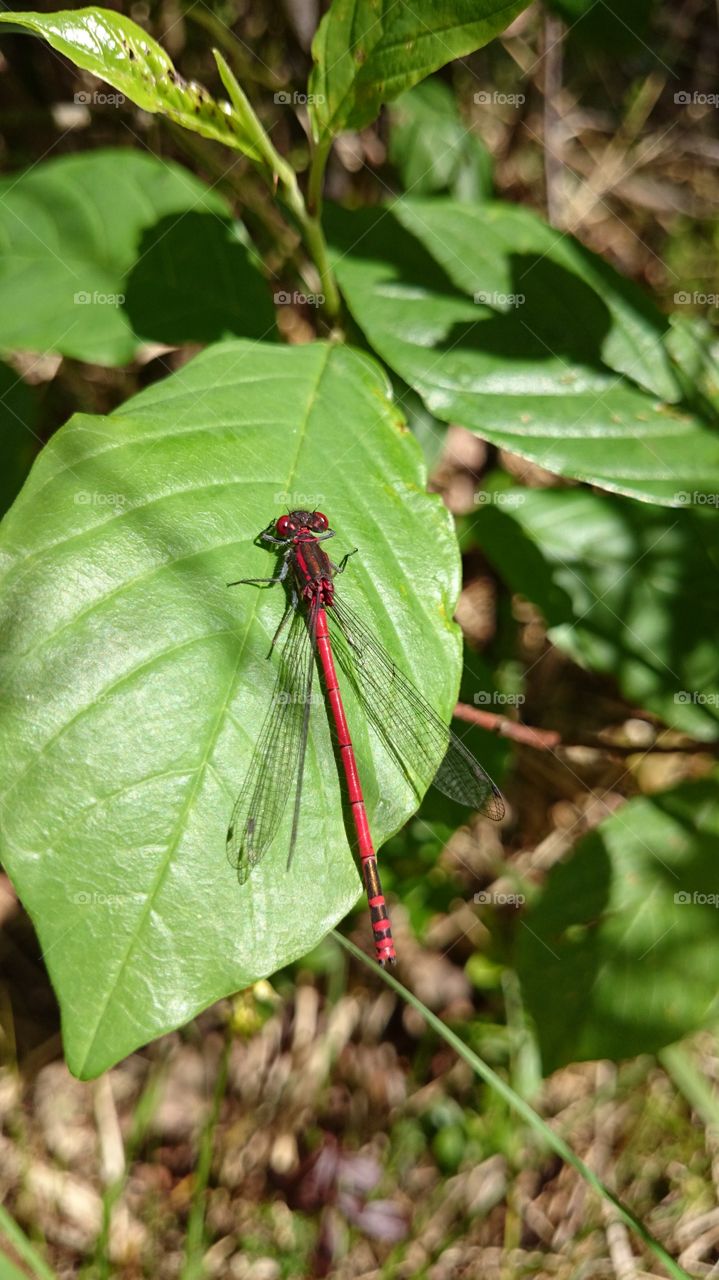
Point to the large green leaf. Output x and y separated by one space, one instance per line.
493 249
367 52
114 48
623 587
619 954
101 252
528 366
135 682
433 148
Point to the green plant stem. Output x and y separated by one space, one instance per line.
314 239
522 1108
278 170
679 1064
23 1248
315 182
312 233
312 227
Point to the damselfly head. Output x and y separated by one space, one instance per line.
300 521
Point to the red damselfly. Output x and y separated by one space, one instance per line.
320 624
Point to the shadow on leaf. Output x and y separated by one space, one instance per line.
194 281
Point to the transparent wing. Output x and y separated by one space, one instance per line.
277 763
411 731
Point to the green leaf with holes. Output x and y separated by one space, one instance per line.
114 48
367 52
135 683
539 347
103 252
619 953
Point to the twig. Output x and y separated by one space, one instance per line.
542 739
112 1150
551 739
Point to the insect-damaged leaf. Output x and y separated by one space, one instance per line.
117 50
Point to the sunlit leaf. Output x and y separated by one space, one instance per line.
367 52
104 251
135 683
117 50
528 349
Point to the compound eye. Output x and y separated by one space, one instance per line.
284 525
320 521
